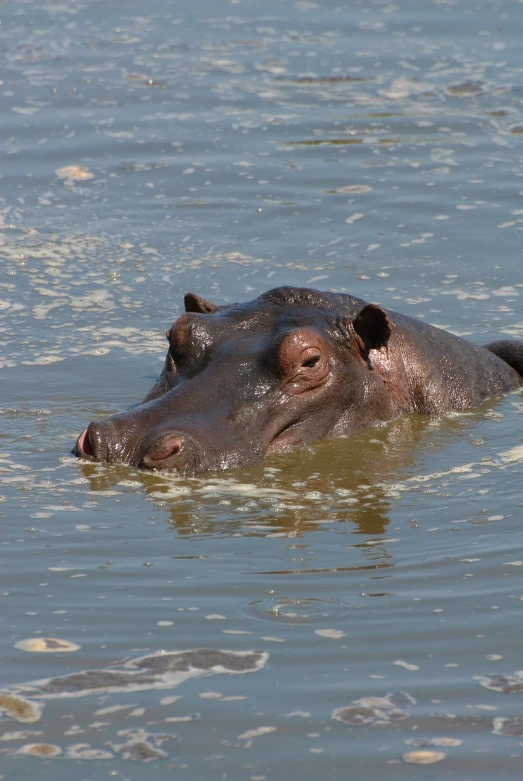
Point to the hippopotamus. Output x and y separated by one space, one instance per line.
293 366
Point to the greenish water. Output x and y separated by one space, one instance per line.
358 599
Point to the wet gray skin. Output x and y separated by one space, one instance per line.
290 367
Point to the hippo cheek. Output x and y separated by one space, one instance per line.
307 421
307 416
289 436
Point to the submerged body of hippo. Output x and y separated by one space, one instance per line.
293 366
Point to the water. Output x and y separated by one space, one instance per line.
226 148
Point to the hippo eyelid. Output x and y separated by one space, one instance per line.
310 363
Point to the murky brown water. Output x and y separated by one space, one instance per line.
351 608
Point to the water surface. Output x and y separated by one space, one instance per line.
361 599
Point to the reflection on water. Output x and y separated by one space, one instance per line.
352 480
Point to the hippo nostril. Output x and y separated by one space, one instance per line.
159 454
168 448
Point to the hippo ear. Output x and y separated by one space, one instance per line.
373 327
194 303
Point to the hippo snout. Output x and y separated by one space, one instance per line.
102 441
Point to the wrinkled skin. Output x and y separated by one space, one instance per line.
292 366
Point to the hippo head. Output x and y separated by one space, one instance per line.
240 381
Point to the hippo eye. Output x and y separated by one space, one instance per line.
303 359
310 363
